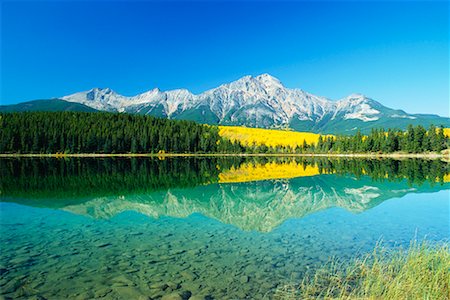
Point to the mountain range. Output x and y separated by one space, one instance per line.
252 101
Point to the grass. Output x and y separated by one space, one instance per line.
420 272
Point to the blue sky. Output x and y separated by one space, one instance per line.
394 52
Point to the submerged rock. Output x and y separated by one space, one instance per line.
122 281
129 293
103 245
173 296
158 286
3 270
188 275
244 279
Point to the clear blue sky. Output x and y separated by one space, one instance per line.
394 52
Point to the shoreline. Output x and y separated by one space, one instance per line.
164 155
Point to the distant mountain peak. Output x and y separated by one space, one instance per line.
356 96
267 77
104 91
153 91
269 81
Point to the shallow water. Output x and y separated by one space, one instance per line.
85 229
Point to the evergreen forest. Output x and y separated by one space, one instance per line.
110 133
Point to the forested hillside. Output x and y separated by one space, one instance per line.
77 132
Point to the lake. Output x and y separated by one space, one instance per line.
204 228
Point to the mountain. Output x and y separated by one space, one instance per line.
260 101
46 105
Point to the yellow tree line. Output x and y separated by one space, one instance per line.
269 137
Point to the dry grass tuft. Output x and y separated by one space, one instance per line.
420 272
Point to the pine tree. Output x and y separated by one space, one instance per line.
440 140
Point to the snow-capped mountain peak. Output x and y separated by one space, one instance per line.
98 98
255 101
269 81
357 106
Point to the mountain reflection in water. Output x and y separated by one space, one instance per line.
250 193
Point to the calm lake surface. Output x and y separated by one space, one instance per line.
203 228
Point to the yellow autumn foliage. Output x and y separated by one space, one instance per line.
447 132
272 170
269 137
447 178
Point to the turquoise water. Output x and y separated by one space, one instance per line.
86 230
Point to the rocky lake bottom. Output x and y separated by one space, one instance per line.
55 254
